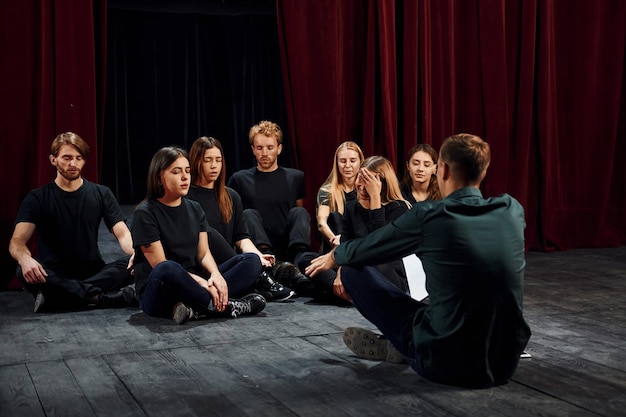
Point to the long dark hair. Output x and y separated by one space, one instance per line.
162 159
196 155
407 181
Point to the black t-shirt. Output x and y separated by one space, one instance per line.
407 193
359 221
273 194
66 225
233 231
177 228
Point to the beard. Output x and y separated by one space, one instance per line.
267 163
69 175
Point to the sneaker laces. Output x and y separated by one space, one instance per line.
238 308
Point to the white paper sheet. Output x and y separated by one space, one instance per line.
416 277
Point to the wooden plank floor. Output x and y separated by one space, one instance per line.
290 360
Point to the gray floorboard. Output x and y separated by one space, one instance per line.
290 359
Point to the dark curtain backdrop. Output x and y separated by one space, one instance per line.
541 81
180 70
52 62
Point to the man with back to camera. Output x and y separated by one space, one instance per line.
272 197
472 331
69 272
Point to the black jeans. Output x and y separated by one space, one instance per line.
66 293
170 283
298 228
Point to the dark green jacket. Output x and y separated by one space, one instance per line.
472 331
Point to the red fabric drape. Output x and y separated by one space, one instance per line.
542 82
51 82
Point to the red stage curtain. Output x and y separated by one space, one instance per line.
51 72
542 82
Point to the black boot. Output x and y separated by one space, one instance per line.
115 299
289 275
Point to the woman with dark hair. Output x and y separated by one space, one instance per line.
224 212
175 273
420 174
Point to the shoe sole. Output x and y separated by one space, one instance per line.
269 296
181 313
39 303
368 345
277 300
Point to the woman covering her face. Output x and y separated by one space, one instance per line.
379 201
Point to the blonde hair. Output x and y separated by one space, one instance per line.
332 185
266 128
390 190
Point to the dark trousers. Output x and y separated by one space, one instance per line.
390 309
67 294
170 283
221 250
319 286
297 239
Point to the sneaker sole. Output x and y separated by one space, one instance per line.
268 296
181 313
367 345
40 300
277 300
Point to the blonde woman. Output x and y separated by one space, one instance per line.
338 189
378 202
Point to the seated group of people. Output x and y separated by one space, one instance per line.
198 248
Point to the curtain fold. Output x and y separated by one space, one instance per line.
542 82
51 83
173 77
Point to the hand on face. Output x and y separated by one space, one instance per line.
368 184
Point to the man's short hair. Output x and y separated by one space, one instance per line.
69 138
266 128
468 156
